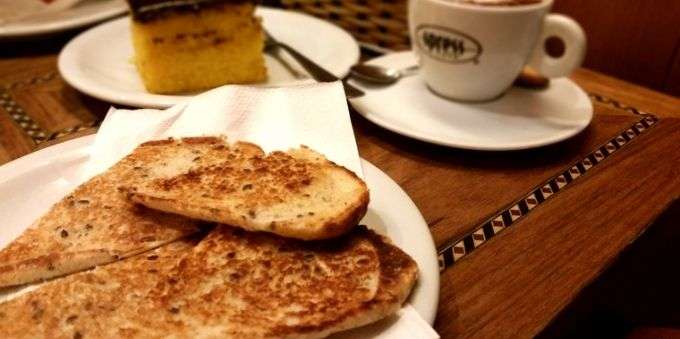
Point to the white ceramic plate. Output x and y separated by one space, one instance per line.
521 119
33 183
83 14
98 62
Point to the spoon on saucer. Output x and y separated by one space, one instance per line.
381 75
387 76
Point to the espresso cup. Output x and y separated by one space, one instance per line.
474 52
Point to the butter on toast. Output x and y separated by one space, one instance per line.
232 284
297 194
96 224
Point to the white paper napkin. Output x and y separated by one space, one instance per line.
274 118
405 324
315 115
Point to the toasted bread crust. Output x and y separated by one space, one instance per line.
298 194
328 229
188 140
50 266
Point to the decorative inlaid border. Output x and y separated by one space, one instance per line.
75 129
32 81
458 249
17 113
36 132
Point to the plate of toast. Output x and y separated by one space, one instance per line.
199 237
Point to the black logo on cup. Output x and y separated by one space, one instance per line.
448 45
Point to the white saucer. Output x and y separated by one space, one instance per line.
82 14
98 62
521 119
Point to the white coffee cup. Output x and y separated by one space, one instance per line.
474 52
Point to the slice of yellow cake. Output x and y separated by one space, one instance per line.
192 45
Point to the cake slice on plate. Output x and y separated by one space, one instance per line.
192 45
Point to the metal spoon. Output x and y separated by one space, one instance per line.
386 76
381 75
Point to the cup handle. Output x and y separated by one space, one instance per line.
574 39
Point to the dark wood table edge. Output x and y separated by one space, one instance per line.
456 249
613 260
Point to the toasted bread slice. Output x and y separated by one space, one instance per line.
398 275
233 284
255 284
95 224
87 304
298 194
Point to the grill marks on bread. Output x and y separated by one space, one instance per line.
296 194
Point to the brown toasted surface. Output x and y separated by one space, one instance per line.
88 304
398 275
296 194
233 284
93 225
269 286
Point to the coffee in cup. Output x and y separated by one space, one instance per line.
472 50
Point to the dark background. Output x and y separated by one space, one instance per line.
635 40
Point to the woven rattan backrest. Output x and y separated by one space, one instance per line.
379 22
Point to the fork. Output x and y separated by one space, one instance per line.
272 45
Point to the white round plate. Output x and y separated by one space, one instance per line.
520 119
33 183
82 14
98 62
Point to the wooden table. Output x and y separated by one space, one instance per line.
543 251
